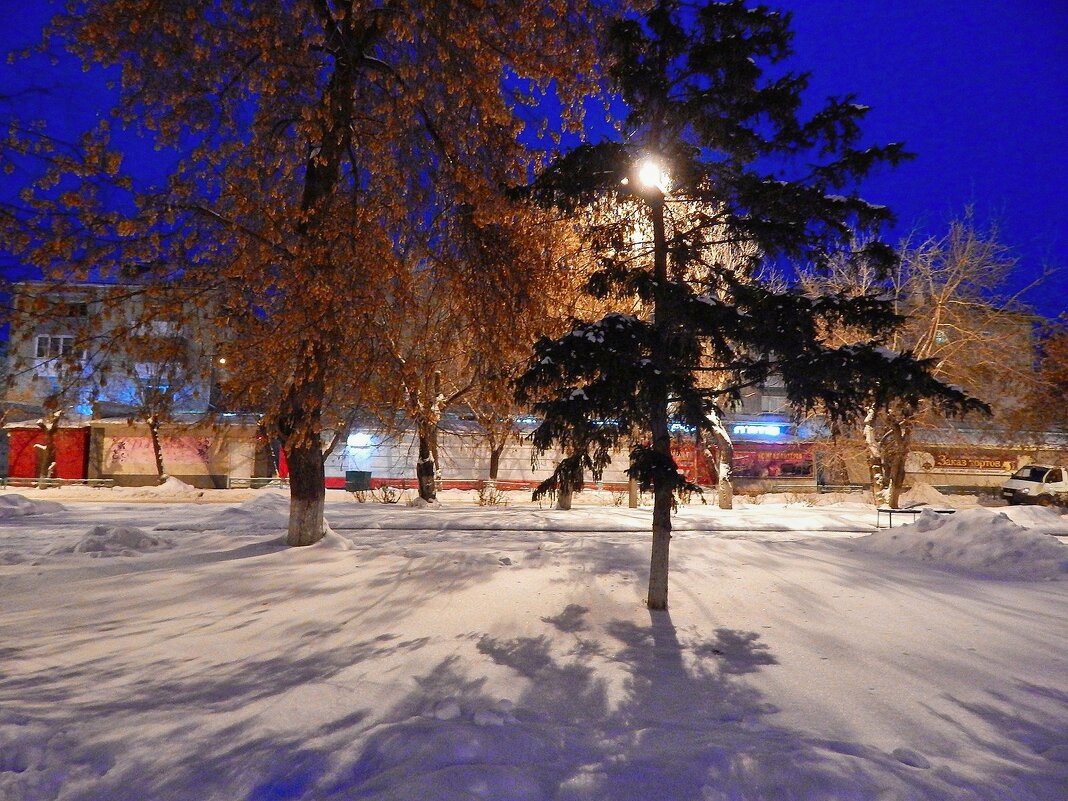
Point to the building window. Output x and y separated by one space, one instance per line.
773 403
74 310
163 328
54 347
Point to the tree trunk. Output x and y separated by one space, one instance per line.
46 466
157 448
725 459
876 462
300 424
570 481
495 458
662 490
632 493
662 498
425 467
901 433
896 483
300 414
307 492
436 456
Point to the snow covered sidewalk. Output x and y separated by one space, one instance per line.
505 654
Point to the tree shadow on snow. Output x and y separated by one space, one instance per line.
684 724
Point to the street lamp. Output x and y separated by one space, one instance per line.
652 176
652 187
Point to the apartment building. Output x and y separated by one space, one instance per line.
75 346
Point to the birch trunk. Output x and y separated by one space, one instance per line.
426 465
901 433
157 448
49 424
876 462
725 459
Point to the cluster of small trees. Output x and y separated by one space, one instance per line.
344 206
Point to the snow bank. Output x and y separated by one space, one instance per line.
835 498
268 511
1046 518
170 488
778 498
921 494
975 541
116 541
332 541
13 505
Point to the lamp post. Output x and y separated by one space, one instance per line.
652 187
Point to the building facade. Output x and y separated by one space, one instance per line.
93 356
73 347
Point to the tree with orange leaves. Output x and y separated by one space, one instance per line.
312 140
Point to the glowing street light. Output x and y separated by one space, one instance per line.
652 176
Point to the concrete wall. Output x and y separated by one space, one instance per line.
203 456
960 465
464 460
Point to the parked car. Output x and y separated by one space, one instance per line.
1043 484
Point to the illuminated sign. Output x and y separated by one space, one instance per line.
358 440
757 429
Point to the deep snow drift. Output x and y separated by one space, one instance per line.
988 544
504 654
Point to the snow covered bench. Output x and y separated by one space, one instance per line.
912 510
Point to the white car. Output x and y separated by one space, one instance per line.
1043 484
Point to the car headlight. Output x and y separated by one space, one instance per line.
1025 491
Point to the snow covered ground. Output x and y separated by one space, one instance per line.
167 648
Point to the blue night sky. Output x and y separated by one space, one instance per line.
978 90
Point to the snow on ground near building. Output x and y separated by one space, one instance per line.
504 653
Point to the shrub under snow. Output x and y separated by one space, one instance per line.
117 541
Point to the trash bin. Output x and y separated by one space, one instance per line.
357 480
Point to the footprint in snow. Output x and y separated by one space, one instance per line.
913 759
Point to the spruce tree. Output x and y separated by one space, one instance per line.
748 181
